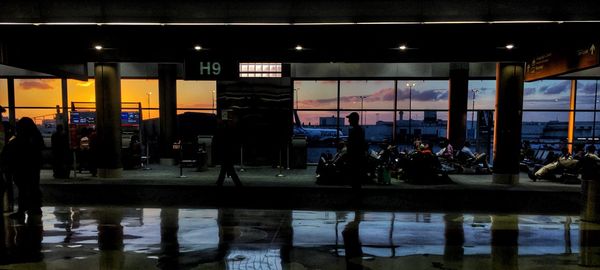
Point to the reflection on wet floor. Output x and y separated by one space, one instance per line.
136 238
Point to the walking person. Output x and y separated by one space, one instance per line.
226 141
24 155
357 152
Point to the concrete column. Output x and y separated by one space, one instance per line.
108 120
572 108
507 128
167 94
12 120
65 105
458 99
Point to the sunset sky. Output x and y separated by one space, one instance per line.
47 93
322 95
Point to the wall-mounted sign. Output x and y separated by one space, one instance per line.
562 61
203 69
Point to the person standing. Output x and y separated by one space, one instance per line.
226 141
60 153
357 151
25 155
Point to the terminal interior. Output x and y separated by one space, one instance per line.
155 88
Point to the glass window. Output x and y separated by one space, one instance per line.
320 129
79 91
425 94
43 93
584 126
586 93
38 93
143 91
483 92
196 95
3 93
315 95
357 95
545 127
547 95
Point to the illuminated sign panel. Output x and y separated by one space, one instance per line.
562 61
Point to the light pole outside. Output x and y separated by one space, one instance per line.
148 138
149 94
410 86
475 91
362 99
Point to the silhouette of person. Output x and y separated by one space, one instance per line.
93 152
226 141
60 153
6 187
25 153
356 148
135 149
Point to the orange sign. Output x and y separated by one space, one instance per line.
560 62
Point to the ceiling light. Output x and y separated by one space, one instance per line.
98 47
197 47
509 46
299 47
402 47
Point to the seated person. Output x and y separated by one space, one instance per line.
563 161
447 151
474 158
590 164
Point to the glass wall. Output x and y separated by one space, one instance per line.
546 107
421 111
4 98
586 112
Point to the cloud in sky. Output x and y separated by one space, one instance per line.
586 89
34 84
554 89
385 94
424 95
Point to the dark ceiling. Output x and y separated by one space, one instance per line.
483 40
342 43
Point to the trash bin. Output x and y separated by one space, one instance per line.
202 161
205 142
299 152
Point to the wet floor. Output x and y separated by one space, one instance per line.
149 238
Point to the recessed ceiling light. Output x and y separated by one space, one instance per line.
509 46
299 47
402 47
197 47
98 47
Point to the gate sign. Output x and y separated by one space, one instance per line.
562 61
200 69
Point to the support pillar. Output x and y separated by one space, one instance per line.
167 94
108 120
65 105
508 118
572 108
458 99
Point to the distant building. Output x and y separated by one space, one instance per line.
331 121
430 117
